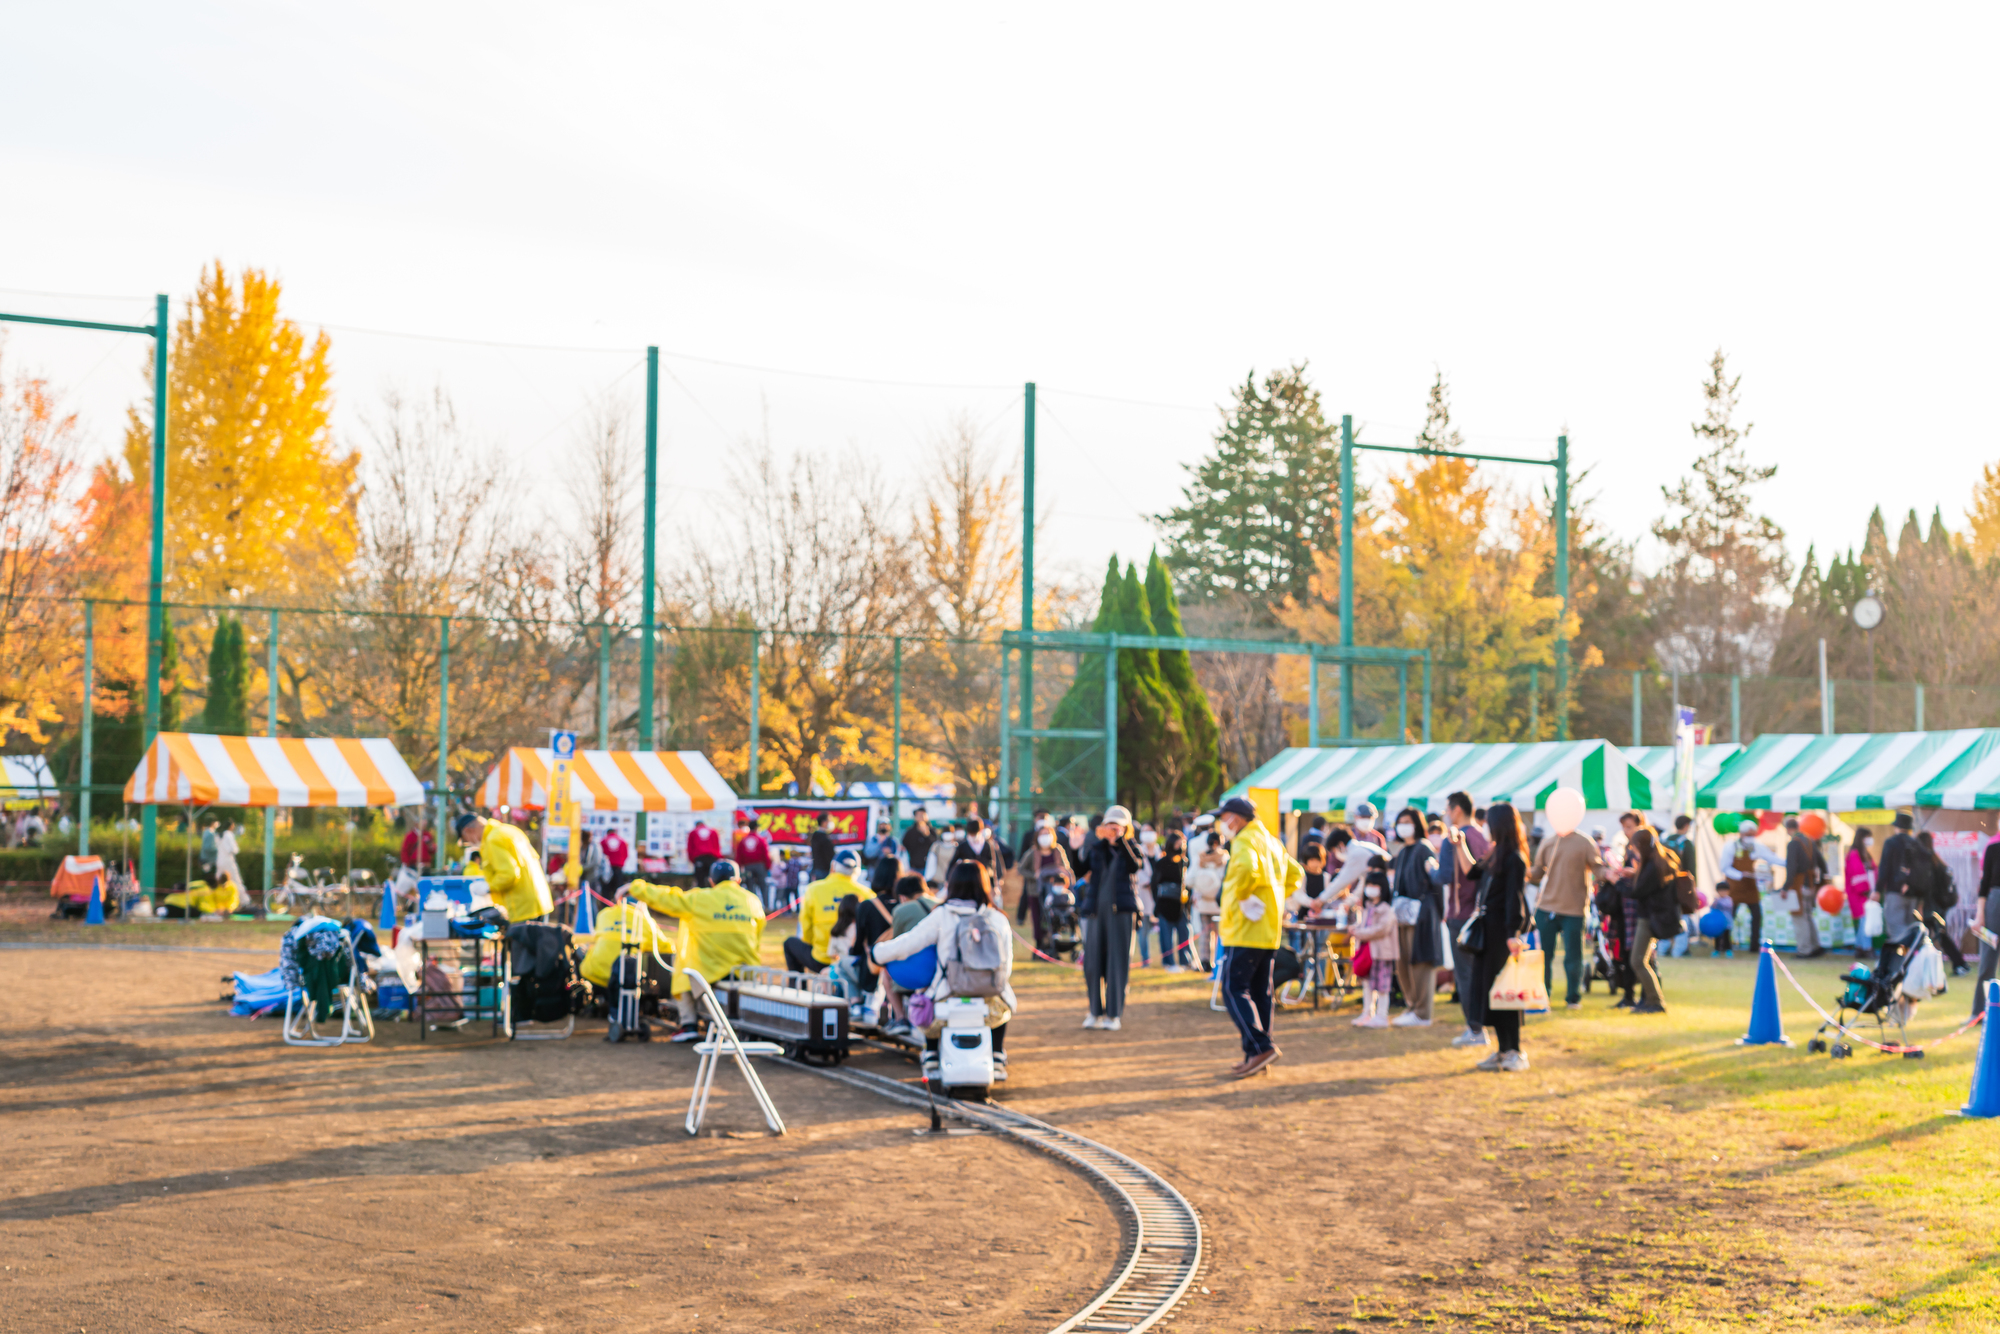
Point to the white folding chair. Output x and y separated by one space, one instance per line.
356 1023
722 1041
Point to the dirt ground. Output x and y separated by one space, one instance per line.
169 1167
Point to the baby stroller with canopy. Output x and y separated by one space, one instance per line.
1059 920
1877 991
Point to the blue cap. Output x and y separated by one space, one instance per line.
1364 811
847 859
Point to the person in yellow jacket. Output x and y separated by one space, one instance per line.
807 952
722 928
513 868
608 940
1259 877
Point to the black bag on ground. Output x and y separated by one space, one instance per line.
544 977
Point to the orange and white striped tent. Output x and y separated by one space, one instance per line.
610 780
190 769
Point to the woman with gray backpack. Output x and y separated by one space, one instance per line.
975 952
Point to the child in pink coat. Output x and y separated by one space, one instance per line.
1377 930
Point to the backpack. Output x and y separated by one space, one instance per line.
1684 896
976 970
1919 875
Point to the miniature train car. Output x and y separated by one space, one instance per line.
802 1011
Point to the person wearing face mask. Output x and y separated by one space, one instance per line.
1142 891
1376 928
1046 863
980 845
1860 883
1106 904
1739 871
1419 909
1260 876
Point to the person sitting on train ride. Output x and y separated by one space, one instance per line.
913 903
722 928
807 952
965 922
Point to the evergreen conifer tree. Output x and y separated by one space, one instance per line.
1201 778
227 712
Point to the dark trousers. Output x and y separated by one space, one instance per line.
1506 1024
1246 993
1107 961
1464 974
1756 927
799 956
1643 954
1030 907
1942 936
701 868
1568 926
1989 957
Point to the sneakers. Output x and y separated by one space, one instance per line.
931 1070
1409 1019
1090 1021
686 1033
1471 1037
1513 1062
999 1067
1572 1005
1649 1009
1492 1062
1109 1025
1175 968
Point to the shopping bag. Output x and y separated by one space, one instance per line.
1871 919
1519 985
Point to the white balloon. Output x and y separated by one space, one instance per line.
1565 810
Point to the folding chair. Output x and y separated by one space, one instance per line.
356 1023
722 1041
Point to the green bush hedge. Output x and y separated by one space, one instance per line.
322 845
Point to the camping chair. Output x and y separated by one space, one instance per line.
322 991
722 1041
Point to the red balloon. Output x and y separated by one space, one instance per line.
1832 898
1813 826
1769 820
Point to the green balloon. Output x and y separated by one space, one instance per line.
1727 822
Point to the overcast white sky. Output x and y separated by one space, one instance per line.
1565 208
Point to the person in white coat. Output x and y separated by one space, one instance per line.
968 906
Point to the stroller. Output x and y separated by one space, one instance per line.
1606 945
1876 992
1059 919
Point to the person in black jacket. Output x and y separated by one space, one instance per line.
1989 917
1107 904
1941 899
1659 915
1900 854
981 845
820 845
1503 913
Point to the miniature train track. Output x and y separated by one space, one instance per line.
1161 1251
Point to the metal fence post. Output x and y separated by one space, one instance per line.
1562 586
1000 802
757 718
896 735
83 753
1312 699
1427 697
1403 701
1920 706
603 686
1346 575
1638 716
271 730
1111 719
149 826
1736 709
444 737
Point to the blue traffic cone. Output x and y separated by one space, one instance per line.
94 915
583 922
387 922
1766 1027
1986 1072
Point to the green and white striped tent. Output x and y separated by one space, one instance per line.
1657 762
1334 778
1856 771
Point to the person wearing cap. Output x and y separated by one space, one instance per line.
1107 904
722 928
1260 876
807 951
1900 853
1740 883
513 870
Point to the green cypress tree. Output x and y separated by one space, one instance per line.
1071 772
1202 778
1152 743
227 712
170 674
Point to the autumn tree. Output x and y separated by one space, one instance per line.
1716 595
1982 536
41 474
1262 501
260 500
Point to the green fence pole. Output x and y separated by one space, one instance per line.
757 718
83 748
646 628
1736 709
896 735
1427 697
1027 772
1346 574
1111 720
1000 803
1920 707
1638 717
271 730
1312 699
1403 701
155 577
1562 586
1534 702
444 738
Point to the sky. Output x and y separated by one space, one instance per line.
857 226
